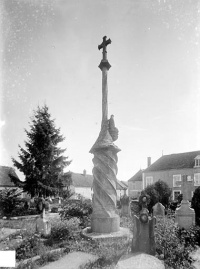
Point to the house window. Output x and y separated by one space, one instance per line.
176 180
197 179
176 194
197 161
149 181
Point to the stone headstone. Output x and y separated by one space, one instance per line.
185 215
140 261
159 210
124 205
143 230
43 226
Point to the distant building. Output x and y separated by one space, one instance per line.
82 184
170 168
121 188
135 185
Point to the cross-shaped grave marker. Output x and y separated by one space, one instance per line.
184 215
187 186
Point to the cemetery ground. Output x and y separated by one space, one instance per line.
175 247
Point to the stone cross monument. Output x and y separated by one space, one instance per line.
105 218
187 186
185 215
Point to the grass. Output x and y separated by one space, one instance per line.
28 224
66 234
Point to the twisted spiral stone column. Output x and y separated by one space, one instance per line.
105 218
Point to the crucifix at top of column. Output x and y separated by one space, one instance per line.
103 46
104 61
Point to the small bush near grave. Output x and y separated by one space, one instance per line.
21 211
175 245
29 247
81 209
62 230
153 196
158 192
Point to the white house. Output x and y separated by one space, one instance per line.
82 184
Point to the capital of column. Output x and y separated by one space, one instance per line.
104 63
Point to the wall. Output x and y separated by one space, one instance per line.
134 188
120 193
85 191
167 176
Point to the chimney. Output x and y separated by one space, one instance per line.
148 161
84 172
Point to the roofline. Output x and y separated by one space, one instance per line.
180 153
192 168
173 154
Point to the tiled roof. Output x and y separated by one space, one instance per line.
137 176
4 176
86 181
121 185
82 180
174 161
124 182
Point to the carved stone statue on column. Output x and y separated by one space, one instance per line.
105 218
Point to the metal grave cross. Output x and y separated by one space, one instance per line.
103 46
187 186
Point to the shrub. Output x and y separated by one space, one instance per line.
190 237
9 199
62 230
153 195
21 211
158 192
81 209
196 205
173 205
30 246
164 192
175 244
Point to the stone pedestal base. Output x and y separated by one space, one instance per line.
105 225
185 216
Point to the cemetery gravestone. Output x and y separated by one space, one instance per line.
184 215
124 205
159 210
43 226
143 233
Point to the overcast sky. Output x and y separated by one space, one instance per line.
49 55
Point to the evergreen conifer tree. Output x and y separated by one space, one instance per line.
42 161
